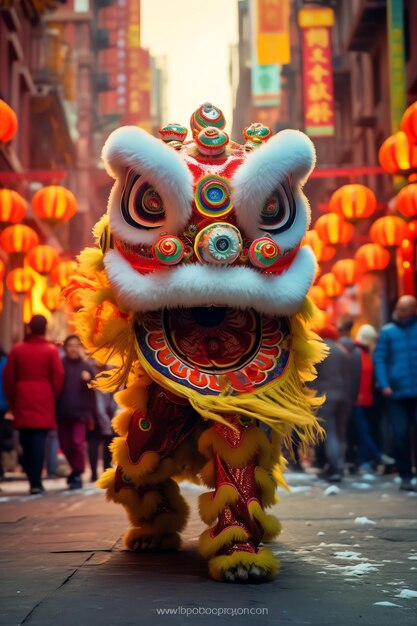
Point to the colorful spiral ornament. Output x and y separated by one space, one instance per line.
206 115
213 196
257 131
211 141
264 252
168 250
218 243
173 132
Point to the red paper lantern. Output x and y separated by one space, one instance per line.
318 296
327 253
62 271
17 240
372 256
51 298
54 204
409 122
20 281
397 154
12 207
313 240
42 259
406 200
2 269
332 287
347 271
353 202
389 231
333 229
8 122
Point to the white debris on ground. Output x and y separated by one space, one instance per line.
362 486
332 490
407 593
351 556
412 558
368 477
392 604
363 520
321 533
355 570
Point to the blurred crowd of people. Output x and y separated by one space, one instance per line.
370 385
369 414
47 398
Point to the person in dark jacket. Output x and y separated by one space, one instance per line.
75 409
333 380
395 363
363 385
33 377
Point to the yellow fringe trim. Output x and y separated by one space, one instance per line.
254 441
264 559
269 523
209 545
267 486
211 504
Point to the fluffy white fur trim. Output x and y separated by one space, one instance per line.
160 166
288 153
206 285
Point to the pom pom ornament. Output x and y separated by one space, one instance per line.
211 141
168 250
218 243
173 132
256 134
212 196
206 115
264 252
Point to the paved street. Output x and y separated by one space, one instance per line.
342 555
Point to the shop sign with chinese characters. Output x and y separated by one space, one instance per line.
318 98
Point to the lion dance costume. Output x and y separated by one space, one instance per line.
196 295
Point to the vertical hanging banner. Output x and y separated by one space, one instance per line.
318 98
396 52
266 89
133 20
272 32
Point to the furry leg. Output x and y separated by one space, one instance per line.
157 512
238 469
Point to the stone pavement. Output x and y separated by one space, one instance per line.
348 558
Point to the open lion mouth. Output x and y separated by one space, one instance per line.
201 347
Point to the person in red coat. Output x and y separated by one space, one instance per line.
33 379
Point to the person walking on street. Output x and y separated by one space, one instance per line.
363 398
395 364
33 378
75 409
334 381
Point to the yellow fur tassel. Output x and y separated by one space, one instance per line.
210 545
269 523
263 559
267 486
211 504
254 442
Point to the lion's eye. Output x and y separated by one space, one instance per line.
278 212
141 204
